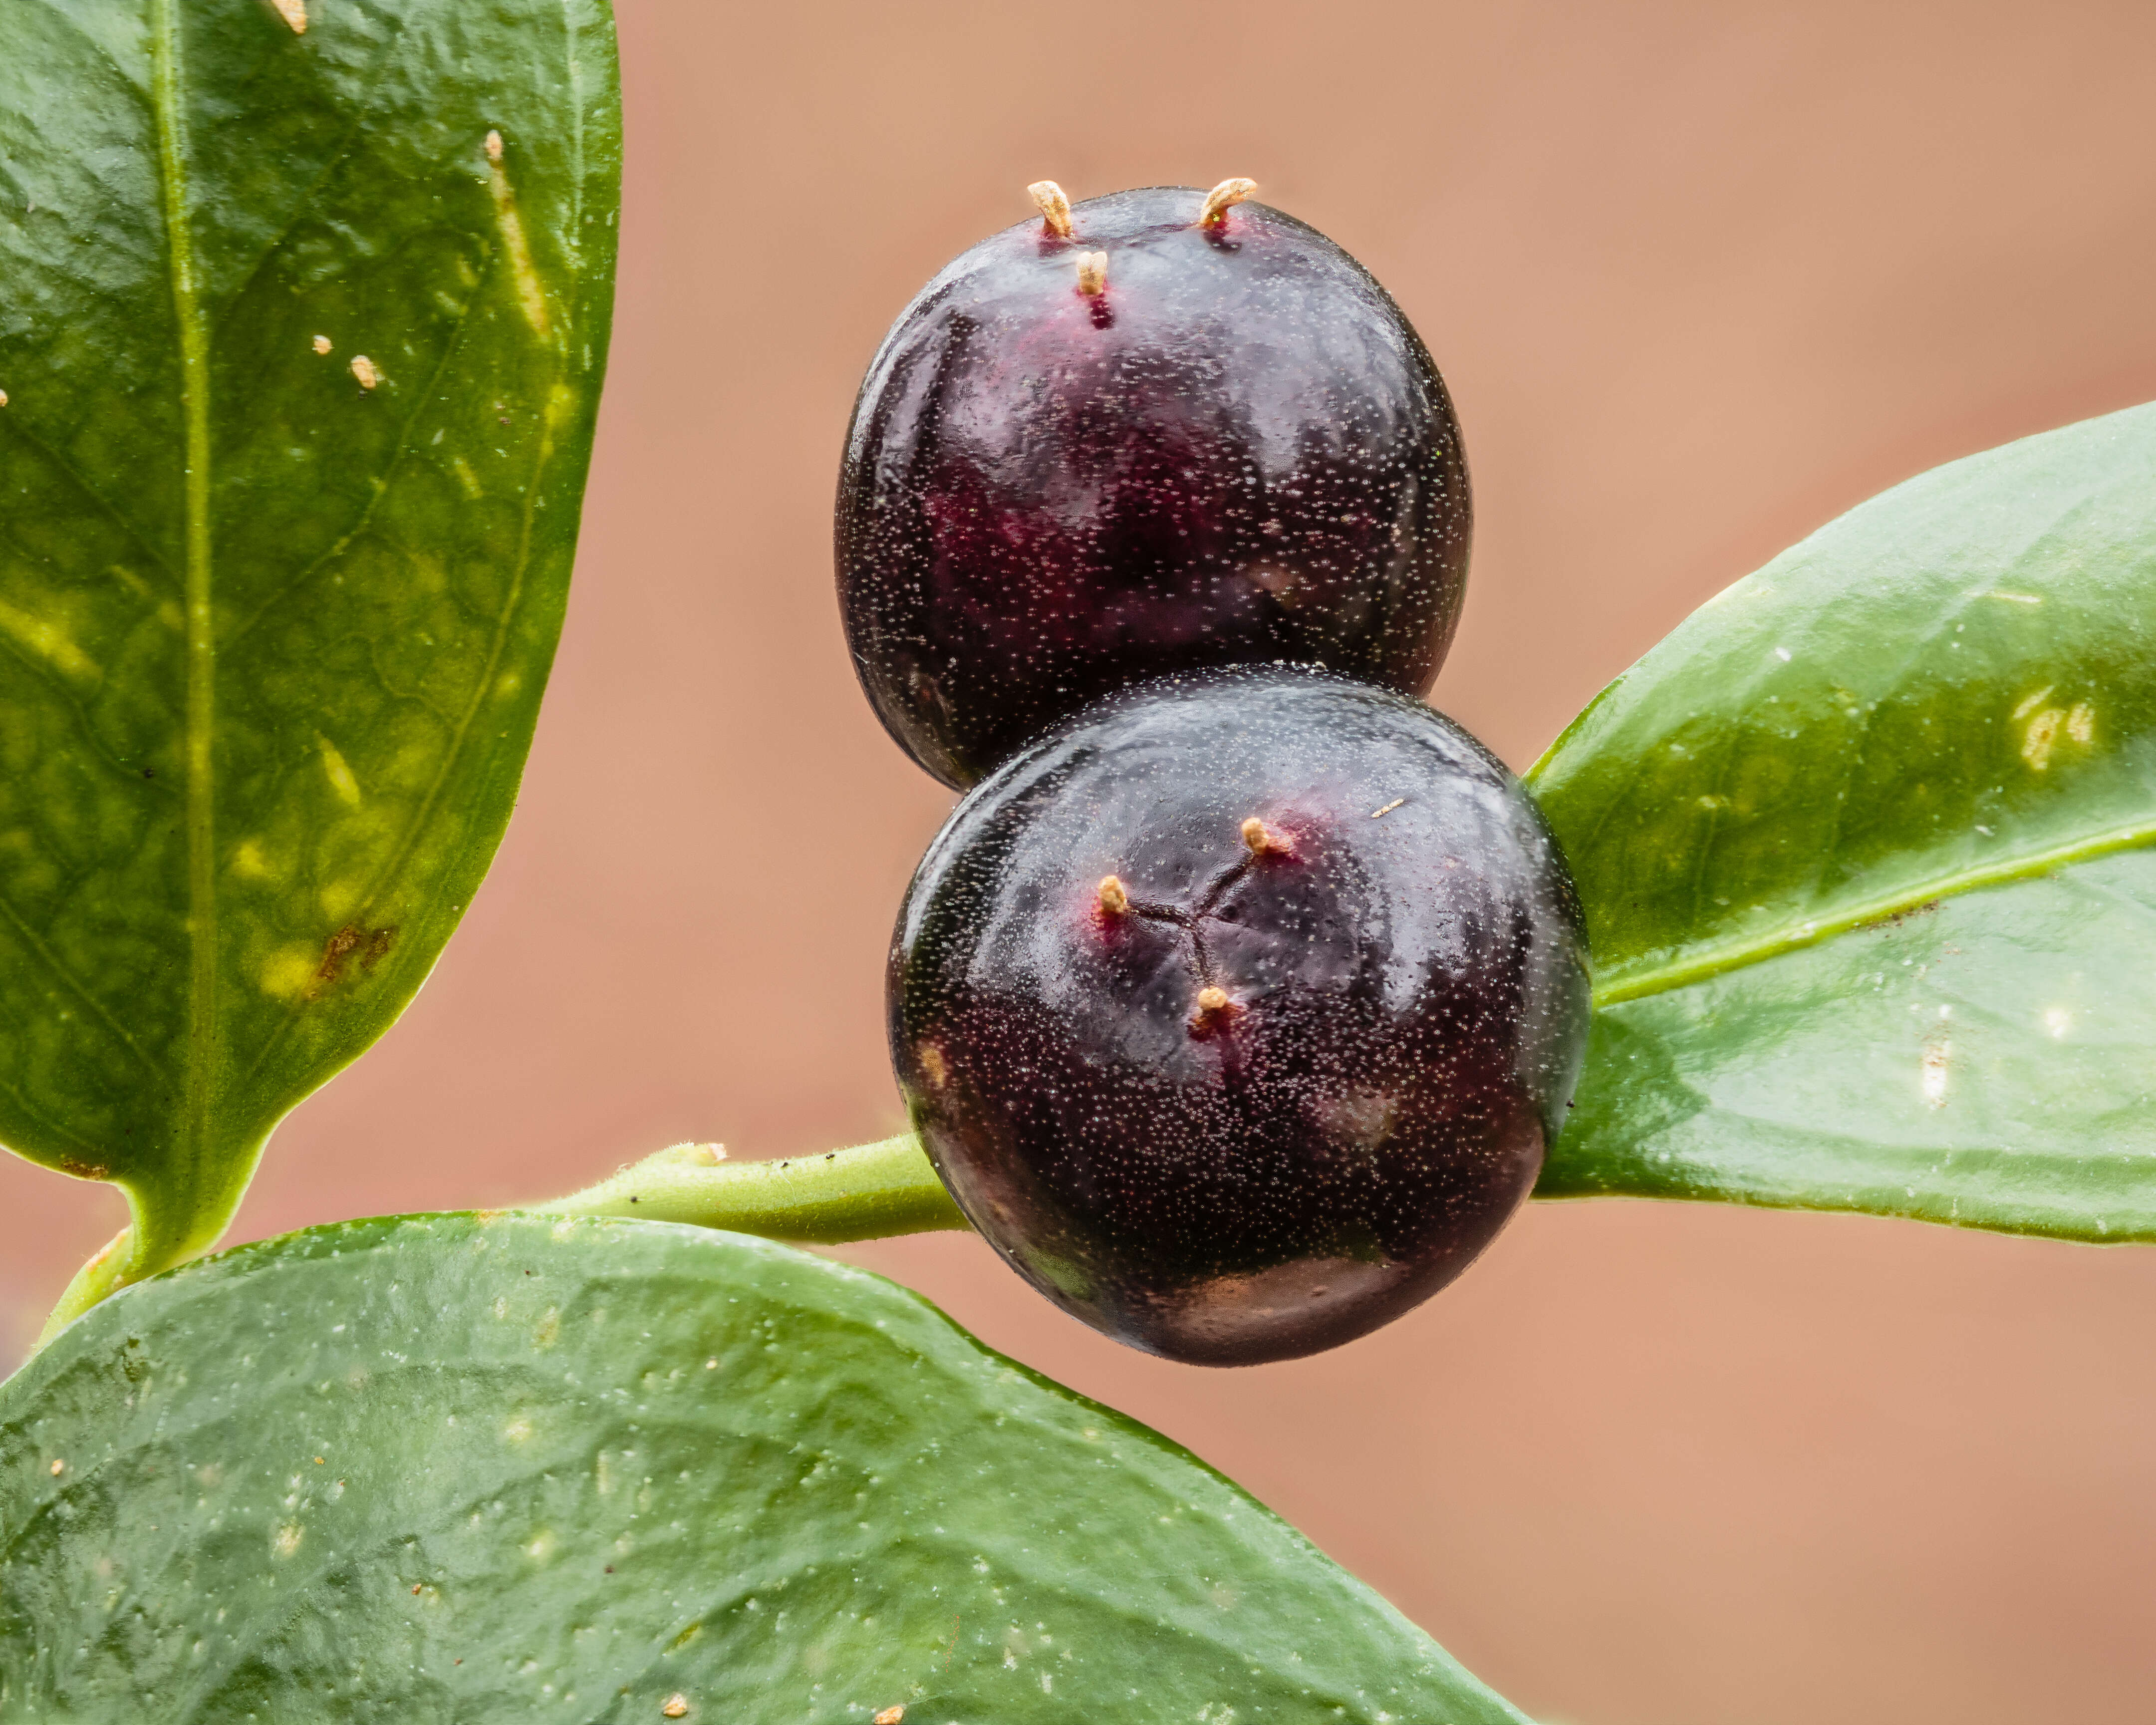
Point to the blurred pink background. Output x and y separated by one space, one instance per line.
1701 275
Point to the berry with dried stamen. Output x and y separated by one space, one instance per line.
1177 443
1262 1109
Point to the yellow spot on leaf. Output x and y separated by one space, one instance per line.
2081 722
517 1431
543 1547
2032 702
47 642
530 295
249 862
466 477
2058 1021
288 1539
340 775
2042 732
292 972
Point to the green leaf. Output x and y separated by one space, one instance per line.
474 1468
274 622
1861 849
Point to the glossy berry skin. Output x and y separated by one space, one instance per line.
1238 452
1397 1014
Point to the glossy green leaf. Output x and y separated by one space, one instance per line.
516 1468
301 331
1861 845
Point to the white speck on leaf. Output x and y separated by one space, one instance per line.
365 369
321 344
1938 1051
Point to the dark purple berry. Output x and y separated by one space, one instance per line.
1238 1012
1168 440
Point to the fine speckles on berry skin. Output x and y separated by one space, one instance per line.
1218 1062
1148 444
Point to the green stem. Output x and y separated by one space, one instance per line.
866 1193
105 1273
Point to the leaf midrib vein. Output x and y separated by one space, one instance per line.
1712 961
165 50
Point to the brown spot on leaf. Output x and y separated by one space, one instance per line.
337 954
1899 917
85 1170
340 946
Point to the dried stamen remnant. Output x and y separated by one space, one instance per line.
1055 207
1222 198
1213 1007
1262 838
1114 897
365 369
1092 274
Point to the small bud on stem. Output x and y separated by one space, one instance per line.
1217 200
1054 207
1114 899
1092 274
